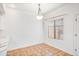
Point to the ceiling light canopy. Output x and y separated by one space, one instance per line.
39 15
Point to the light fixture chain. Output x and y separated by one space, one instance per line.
39 9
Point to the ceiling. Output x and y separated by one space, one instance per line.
33 7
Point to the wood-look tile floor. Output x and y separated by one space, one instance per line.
38 50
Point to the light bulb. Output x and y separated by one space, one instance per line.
39 17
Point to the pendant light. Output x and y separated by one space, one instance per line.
39 15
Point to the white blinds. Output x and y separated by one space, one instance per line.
55 29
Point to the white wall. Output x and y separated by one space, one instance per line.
22 28
67 43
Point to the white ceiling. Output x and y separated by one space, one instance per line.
33 7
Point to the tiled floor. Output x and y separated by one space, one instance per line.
38 50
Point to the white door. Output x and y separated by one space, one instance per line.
77 34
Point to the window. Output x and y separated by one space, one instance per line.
55 29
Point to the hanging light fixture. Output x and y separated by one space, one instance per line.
39 15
